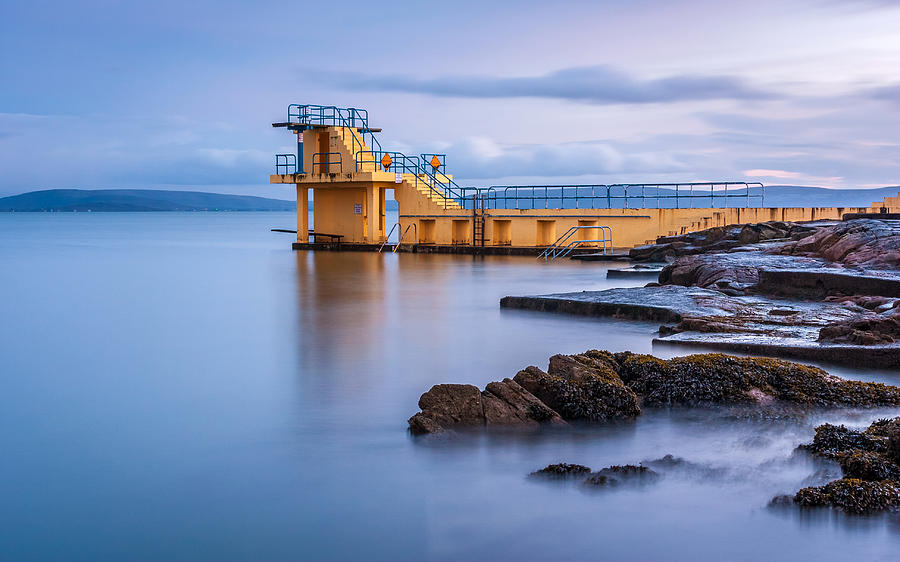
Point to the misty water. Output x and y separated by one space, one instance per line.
184 386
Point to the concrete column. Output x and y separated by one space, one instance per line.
302 214
373 214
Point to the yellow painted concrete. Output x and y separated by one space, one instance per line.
351 203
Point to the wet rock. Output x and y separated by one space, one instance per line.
629 472
453 404
582 387
562 471
869 466
852 495
602 386
722 379
868 330
507 403
600 481
831 441
618 475
861 243
871 473
420 424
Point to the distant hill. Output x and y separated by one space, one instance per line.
137 200
803 196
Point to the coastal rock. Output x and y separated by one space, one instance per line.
868 460
561 471
582 387
602 386
723 379
852 495
871 329
866 243
507 403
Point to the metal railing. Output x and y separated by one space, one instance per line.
402 234
350 119
563 246
328 162
627 196
285 164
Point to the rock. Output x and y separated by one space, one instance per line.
453 404
602 386
722 379
507 403
582 387
618 475
831 441
561 471
871 472
852 495
860 243
870 329
869 466
600 480
420 424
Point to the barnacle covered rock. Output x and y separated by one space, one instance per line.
561 471
602 386
871 479
716 378
582 387
852 495
831 441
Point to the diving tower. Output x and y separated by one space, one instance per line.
340 158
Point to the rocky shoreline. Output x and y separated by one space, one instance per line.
599 386
825 291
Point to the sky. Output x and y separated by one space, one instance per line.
181 95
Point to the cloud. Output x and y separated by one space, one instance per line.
601 84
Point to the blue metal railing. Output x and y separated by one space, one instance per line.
623 196
285 163
353 120
317 160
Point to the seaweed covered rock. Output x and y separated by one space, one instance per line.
561 471
852 495
868 466
871 472
832 441
601 386
582 387
723 379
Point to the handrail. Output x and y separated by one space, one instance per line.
402 234
385 241
328 162
513 196
553 250
288 162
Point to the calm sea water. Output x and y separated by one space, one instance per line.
184 386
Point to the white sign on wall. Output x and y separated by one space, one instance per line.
357 208
398 177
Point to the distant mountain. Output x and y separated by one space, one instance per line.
137 200
803 196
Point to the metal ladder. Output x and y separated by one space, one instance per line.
478 221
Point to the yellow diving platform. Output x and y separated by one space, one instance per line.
340 158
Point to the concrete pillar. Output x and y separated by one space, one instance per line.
302 214
373 214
